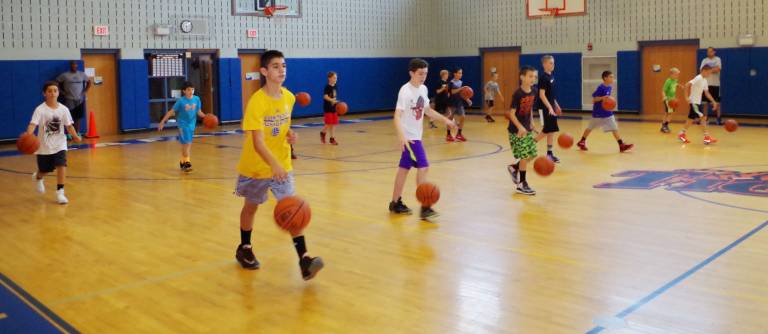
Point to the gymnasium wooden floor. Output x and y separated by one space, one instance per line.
141 248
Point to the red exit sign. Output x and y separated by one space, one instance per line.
101 30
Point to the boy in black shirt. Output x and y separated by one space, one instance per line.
521 129
331 118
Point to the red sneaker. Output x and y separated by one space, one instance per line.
460 137
333 141
449 138
322 137
625 147
582 145
709 140
683 138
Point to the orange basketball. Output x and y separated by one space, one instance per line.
292 214
341 108
466 92
210 121
27 143
673 103
609 103
428 194
565 140
543 166
731 125
303 99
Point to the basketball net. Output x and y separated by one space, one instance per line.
273 14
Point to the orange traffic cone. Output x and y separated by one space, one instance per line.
91 126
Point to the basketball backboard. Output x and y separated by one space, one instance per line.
292 8
541 8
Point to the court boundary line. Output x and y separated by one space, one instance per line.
37 306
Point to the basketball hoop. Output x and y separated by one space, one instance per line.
272 10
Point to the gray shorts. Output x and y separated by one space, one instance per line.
608 124
458 110
255 190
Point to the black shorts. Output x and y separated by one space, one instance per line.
441 106
78 112
489 103
692 112
46 163
714 91
550 122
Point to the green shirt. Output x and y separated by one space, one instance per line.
670 88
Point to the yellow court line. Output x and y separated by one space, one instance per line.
3 316
41 313
515 250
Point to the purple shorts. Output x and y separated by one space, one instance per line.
414 156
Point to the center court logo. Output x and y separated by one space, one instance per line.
694 180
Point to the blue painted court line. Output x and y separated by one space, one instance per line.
658 292
25 314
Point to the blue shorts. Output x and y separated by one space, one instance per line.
186 133
414 156
255 190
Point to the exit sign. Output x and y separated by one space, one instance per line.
101 30
251 33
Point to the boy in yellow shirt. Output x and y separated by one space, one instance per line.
265 160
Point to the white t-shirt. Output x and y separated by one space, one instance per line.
714 78
698 86
52 125
412 102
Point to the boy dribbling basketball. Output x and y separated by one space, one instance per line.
668 93
265 160
549 108
521 130
695 89
603 118
330 117
187 109
412 105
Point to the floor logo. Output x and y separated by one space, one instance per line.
694 180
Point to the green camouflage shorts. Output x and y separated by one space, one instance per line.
523 148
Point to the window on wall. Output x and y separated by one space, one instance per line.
167 73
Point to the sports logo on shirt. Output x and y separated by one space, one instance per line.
526 105
275 132
418 109
694 180
54 126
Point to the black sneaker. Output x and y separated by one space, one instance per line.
244 255
512 169
181 165
310 266
428 213
187 167
524 189
553 158
432 125
489 119
399 208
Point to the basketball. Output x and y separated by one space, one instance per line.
210 121
609 103
565 140
292 214
731 125
543 166
428 194
466 92
673 103
341 108
27 143
303 99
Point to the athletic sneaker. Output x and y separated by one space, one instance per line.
428 213
449 138
665 128
460 137
181 165
60 197
512 169
553 158
322 137
523 188
625 147
489 118
683 138
719 121
709 140
310 266
333 141
399 208
582 145
244 255
187 167
39 183
432 125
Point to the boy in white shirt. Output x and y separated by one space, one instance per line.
412 105
694 90
52 117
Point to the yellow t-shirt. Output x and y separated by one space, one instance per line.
273 117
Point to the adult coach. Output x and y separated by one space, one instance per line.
74 85
714 81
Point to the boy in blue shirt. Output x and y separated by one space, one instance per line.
186 109
601 117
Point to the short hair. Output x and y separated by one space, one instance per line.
186 85
525 69
49 84
443 72
416 64
674 70
547 58
710 48
267 57
706 68
457 70
330 74
606 74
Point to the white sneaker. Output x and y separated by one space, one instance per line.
60 196
40 184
